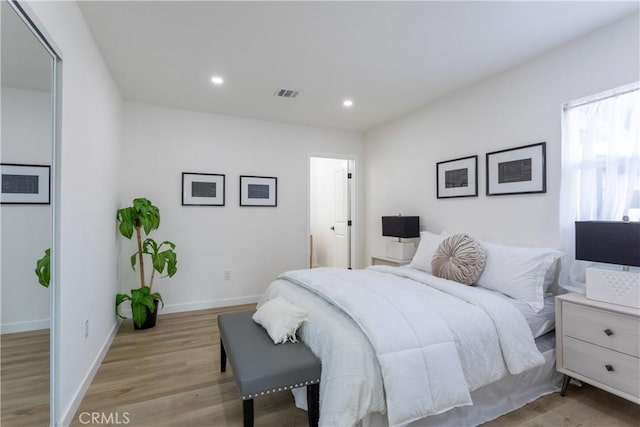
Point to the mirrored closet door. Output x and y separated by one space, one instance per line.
26 218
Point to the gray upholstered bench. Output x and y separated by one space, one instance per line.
262 367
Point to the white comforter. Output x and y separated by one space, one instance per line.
431 344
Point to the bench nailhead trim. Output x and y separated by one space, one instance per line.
251 396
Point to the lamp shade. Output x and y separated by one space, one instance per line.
612 242
401 226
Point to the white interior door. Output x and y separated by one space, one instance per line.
330 213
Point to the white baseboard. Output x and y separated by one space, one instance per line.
216 303
67 416
31 325
201 305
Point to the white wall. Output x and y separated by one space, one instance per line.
89 167
521 106
25 229
254 243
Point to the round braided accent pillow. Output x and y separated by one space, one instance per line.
460 258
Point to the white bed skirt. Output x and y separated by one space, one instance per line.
496 399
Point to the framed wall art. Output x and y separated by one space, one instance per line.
519 170
25 184
457 178
258 191
202 189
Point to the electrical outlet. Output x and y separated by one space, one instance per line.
86 328
227 275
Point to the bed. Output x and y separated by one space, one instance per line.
400 346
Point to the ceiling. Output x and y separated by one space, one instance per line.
390 57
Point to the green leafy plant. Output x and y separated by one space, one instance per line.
43 269
141 217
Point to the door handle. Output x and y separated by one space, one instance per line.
333 228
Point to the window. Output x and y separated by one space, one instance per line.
600 166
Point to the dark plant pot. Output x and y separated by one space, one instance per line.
151 319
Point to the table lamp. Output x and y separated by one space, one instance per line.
611 242
402 227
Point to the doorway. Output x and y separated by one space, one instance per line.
330 212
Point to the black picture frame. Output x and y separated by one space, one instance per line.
518 170
258 191
457 178
25 184
203 189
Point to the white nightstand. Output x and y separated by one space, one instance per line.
383 260
598 343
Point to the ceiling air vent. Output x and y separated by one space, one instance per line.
286 93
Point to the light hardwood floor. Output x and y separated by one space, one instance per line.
24 379
170 376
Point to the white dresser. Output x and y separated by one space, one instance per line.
598 343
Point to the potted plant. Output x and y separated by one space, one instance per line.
43 268
144 216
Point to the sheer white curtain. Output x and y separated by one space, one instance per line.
600 168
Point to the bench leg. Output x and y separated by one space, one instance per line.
313 404
223 357
247 413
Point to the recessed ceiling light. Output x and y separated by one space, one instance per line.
217 80
347 103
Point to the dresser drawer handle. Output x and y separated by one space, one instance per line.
608 332
609 368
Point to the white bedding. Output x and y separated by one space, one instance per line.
539 322
495 399
516 342
351 375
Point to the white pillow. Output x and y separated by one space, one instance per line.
281 319
550 276
428 245
519 272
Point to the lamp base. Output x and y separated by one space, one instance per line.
401 250
614 286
